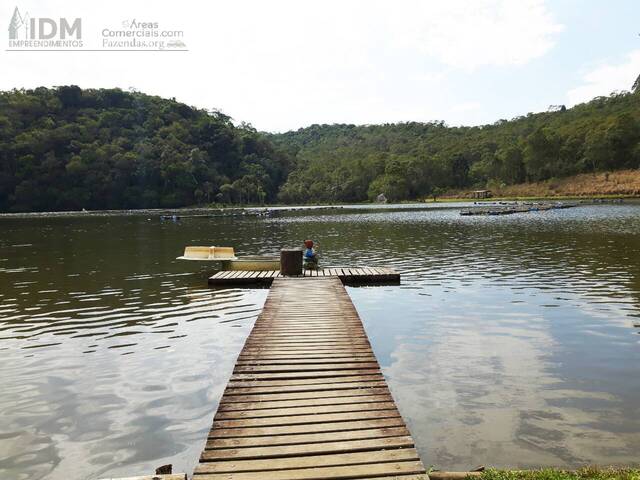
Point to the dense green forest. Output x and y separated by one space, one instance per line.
413 160
67 148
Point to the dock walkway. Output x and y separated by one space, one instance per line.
307 399
346 274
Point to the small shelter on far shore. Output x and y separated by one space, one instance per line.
481 194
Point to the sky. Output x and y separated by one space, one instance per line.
284 65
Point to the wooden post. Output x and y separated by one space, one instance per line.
291 261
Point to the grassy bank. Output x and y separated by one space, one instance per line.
618 184
553 474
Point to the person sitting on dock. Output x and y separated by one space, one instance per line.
309 256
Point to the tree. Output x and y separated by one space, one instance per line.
512 163
541 153
596 151
393 186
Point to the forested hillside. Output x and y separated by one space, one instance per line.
68 148
413 160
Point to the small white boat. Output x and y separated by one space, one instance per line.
227 256
208 254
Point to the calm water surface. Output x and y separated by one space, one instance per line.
510 342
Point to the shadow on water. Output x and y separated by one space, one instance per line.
509 342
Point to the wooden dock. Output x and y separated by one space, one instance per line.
307 399
346 274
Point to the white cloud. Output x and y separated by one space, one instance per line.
607 78
466 107
284 64
469 35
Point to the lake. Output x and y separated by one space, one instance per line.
510 341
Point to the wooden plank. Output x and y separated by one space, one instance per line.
306 383
329 323
305 354
289 420
306 335
307 339
320 395
302 438
297 352
332 325
291 339
321 345
349 426
170 476
419 476
247 388
309 321
303 375
305 461
326 323
307 348
326 473
308 358
307 332
293 368
304 410
261 361
291 383
309 449
331 328
308 402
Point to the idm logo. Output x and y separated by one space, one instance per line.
22 26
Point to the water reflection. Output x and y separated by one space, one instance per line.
509 342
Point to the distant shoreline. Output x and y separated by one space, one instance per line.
618 184
200 211
557 198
